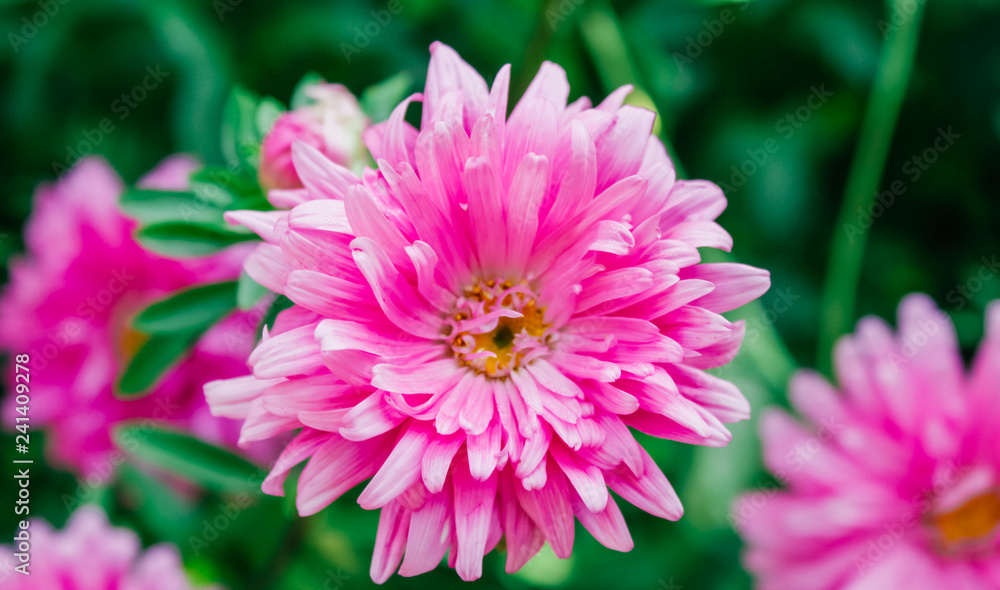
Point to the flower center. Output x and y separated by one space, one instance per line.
969 524
497 326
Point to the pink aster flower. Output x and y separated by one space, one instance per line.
88 554
68 306
893 481
478 323
332 123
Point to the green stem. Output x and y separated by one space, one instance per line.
847 250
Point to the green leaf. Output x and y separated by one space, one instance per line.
232 189
152 206
281 303
190 239
240 137
249 292
183 455
268 112
154 358
299 98
196 308
378 100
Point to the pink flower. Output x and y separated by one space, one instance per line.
68 306
332 123
892 482
90 553
480 320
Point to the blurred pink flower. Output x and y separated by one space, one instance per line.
68 306
480 320
332 123
89 553
892 482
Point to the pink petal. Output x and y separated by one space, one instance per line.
230 398
303 446
585 478
337 466
436 461
473 514
370 418
484 450
390 541
607 525
735 284
401 469
428 537
446 72
321 176
550 508
401 304
294 352
268 266
524 539
650 492
524 199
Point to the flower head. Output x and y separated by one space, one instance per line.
90 553
893 481
479 321
69 304
332 122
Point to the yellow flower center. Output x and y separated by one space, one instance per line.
497 351
970 524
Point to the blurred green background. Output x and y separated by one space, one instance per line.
768 97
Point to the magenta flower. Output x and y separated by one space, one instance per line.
332 123
69 304
90 554
478 323
892 482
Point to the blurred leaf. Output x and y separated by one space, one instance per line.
378 100
189 239
230 189
281 303
240 134
268 112
187 457
249 292
299 98
193 309
153 206
153 359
